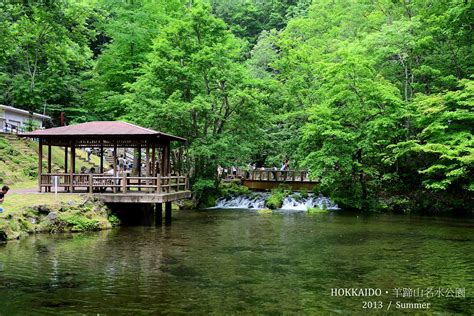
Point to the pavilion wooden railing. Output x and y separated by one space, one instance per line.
99 183
270 175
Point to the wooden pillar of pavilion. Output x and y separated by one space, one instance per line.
115 165
65 162
72 168
153 160
65 159
101 168
147 160
165 160
49 163
161 161
40 162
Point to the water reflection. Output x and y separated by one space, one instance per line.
237 261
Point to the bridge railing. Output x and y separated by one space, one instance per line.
102 183
268 175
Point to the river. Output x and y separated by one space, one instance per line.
240 261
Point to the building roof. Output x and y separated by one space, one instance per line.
101 129
24 112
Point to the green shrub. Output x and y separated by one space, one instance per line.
232 189
275 200
205 191
304 193
114 220
277 196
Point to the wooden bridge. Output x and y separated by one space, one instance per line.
267 179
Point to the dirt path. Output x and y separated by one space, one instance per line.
24 191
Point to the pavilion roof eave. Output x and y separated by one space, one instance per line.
102 131
103 136
104 140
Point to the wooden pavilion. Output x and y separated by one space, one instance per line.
157 183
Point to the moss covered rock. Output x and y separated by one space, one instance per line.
316 210
275 200
86 215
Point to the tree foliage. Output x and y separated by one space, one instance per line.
373 96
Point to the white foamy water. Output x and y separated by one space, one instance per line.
293 202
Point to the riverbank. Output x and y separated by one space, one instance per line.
29 213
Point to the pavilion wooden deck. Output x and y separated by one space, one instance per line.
269 179
118 189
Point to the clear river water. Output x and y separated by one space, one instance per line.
240 261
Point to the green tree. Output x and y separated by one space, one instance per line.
349 129
44 51
128 29
194 85
442 148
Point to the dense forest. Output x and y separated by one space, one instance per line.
374 97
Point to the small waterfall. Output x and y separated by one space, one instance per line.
298 203
254 201
293 202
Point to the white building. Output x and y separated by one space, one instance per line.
13 120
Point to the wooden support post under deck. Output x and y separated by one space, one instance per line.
168 212
158 214
40 163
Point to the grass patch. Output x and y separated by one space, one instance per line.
19 161
14 202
